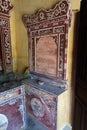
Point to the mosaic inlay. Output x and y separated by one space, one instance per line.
5 6
48 39
5 41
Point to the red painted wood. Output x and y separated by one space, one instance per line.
42 107
5 41
12 112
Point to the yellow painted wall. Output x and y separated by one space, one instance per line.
13 37
19 41
66 100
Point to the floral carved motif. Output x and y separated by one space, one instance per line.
5 7
60 10
7 47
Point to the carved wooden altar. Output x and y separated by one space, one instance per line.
5 43
48 40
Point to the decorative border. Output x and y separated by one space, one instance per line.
12 94
5 7
55 21
60 12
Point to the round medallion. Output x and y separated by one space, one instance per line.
37 107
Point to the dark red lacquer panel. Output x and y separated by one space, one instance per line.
12 111
42 106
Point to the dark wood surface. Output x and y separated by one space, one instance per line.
80 110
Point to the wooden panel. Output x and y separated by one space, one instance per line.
78 116
85 121
80 122
82 43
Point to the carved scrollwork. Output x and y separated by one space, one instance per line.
59 11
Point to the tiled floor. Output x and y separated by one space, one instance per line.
32 124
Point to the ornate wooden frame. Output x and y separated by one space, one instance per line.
53 23
5 7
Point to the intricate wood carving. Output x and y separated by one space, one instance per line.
5 7
49 27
